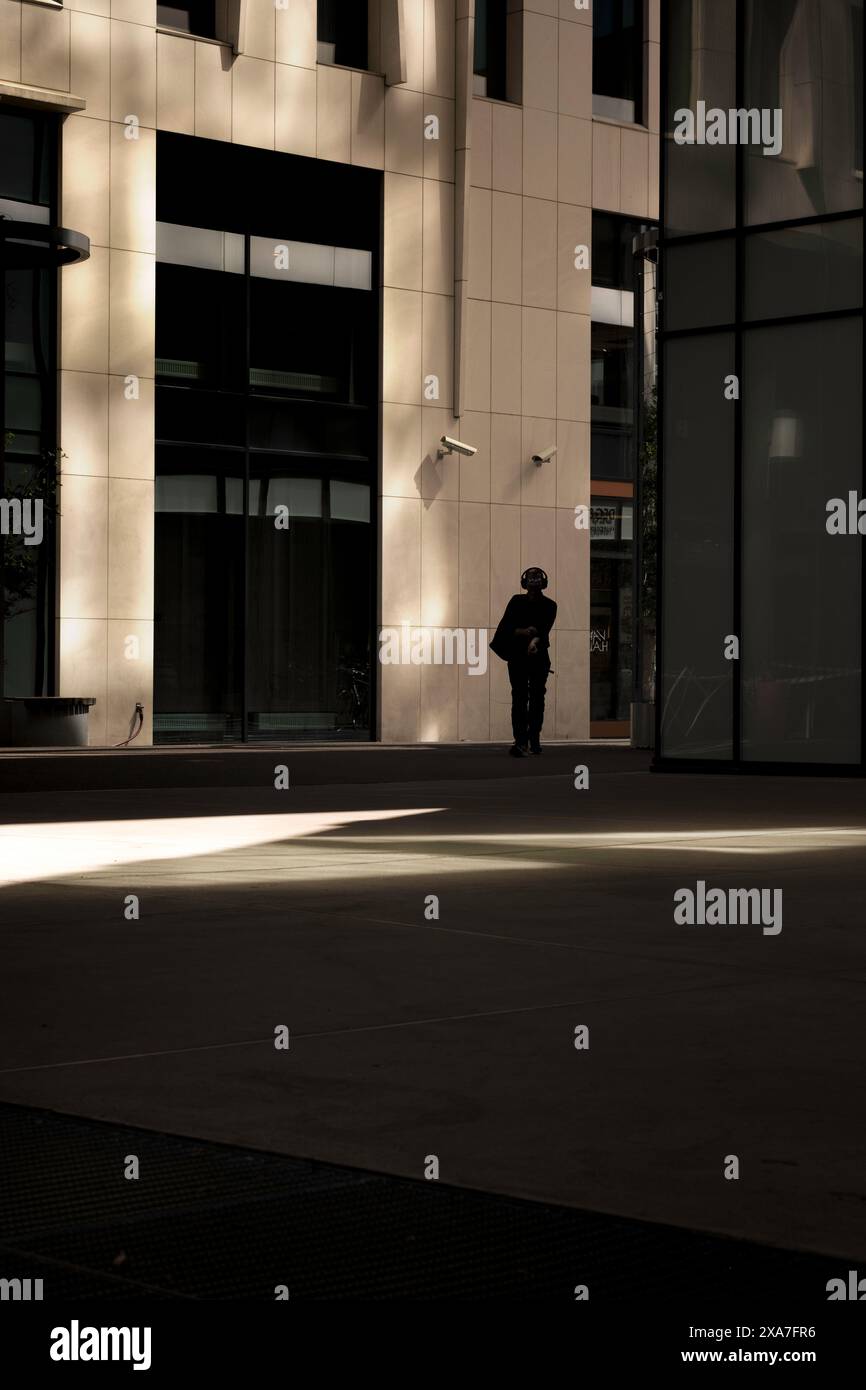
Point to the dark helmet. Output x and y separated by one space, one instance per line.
533 578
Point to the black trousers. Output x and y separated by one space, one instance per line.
528 682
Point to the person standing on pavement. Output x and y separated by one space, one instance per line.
522 639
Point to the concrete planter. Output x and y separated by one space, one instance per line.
44 721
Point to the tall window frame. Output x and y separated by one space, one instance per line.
618 34
29 420
342 33
237 400
203 19
498 50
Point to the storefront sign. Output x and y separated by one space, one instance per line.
603 523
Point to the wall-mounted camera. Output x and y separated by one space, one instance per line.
455 446
545 457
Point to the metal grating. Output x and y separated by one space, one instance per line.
207 1221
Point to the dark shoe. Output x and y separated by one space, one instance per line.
535 745
517 750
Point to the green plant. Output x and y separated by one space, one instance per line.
23 571
649 510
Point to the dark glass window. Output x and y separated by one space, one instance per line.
302 413
491 49
801 621
700 180
611 609
857 83
192 16
699 284
198 596
27 158
297 350
200 328
804 270
28 418
613 265
270 345
212 184
308 663
342 32
696 680
617 59
311 381
612 401
304 649
802 60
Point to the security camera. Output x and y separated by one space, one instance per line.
545 457
454 446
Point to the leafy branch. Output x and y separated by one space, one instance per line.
20 567
649 509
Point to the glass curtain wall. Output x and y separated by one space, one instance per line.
267 437
762 610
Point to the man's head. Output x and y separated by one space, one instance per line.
533 580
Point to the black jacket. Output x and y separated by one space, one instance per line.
523 611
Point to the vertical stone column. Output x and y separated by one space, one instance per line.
532 234
420 494
108 179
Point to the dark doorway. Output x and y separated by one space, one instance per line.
267 438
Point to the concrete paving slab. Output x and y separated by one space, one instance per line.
455 1036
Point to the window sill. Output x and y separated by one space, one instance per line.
497 101
622 125
42 98
343 67
185 34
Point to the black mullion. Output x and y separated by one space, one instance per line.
862 568
794 223
739 289
755 229
2 452
38 158
639 32
639 290
374 476
54 136
44 287
823 316
659 691
245 581
329 645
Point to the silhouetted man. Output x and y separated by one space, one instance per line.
523 640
